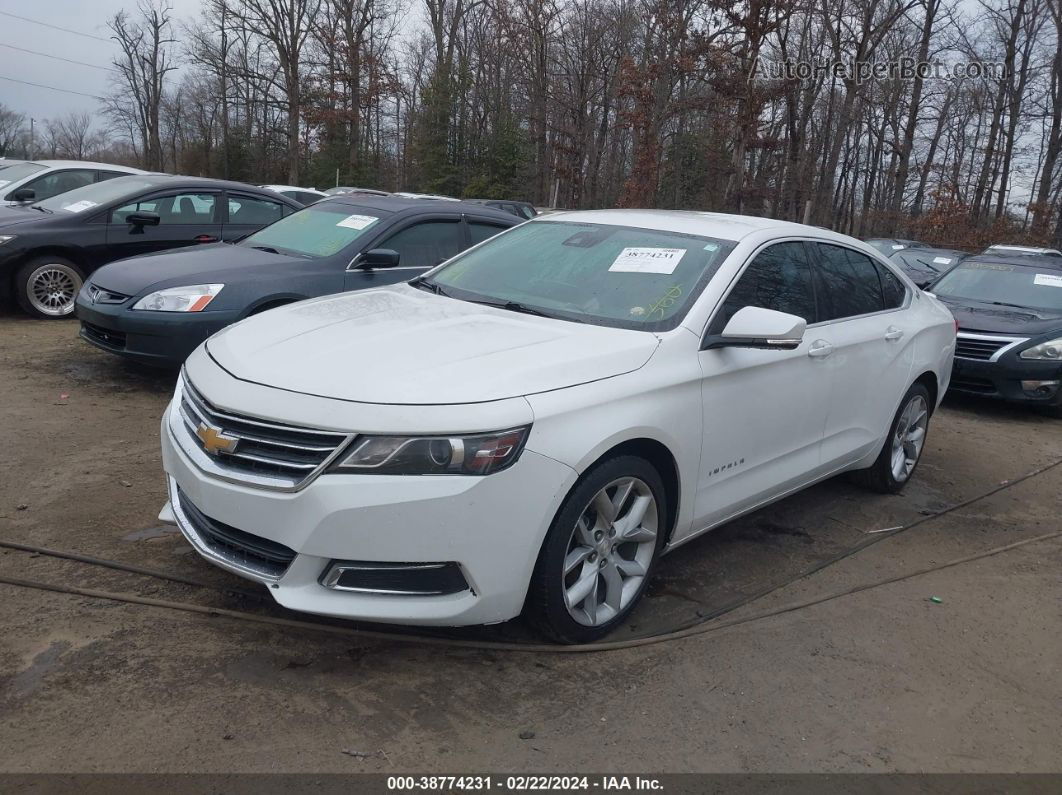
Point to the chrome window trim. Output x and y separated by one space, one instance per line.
908 294
1014 341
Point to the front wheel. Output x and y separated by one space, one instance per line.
599 552
903 446
48 286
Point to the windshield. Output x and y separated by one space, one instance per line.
319 230
81 199
18 172
1005 284
610 275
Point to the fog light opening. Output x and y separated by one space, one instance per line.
1040 388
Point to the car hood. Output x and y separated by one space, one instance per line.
21 214
401 345
202 264
989 319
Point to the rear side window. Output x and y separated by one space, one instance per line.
184 208
426 244
779 278
850 283
248 210
893 292
480 232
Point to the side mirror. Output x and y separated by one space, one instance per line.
24 195
755 327
379 258
143 218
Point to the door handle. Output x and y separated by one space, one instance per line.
205 239
820 349
892 333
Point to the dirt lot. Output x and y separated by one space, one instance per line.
882 680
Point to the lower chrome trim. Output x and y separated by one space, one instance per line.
200 546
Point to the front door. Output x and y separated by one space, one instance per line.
185 219
420 245
764 410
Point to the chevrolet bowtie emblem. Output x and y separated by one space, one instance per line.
214 441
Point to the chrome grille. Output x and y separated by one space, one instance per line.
283 453
981 348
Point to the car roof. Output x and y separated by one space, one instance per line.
724 226
292 187
180 181
84 164
1020 261
397 204
1015 247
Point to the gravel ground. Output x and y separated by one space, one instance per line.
881 680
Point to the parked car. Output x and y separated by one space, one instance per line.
340 190
37 180
532 424
924 265
303 196
890 245
47 249
524 210
158 309
1009 314
1001 249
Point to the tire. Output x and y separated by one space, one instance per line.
47 286
886 475
607 575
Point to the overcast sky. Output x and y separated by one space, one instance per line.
85 16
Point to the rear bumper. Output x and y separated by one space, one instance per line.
1002 380
160 339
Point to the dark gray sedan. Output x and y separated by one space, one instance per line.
158 308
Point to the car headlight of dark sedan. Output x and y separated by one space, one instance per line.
474 454
1050 351
193 298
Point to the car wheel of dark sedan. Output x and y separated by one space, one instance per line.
47 286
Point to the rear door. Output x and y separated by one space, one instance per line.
246 214
864 319
186 218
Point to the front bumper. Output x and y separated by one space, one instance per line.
160 339
1002 379
492 527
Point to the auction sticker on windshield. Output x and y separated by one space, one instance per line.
356 221
647 260
1047 280
80 206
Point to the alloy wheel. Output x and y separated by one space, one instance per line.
909 438
52 289
609 552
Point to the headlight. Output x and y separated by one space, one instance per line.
5 238
193 298
481 454
1050 351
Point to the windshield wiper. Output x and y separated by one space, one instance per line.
516 306
423 284
270 249
1004 303
42 209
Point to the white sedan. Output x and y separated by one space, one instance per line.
37 180
529 426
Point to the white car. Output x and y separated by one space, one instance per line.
529 426
303 196
37 180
